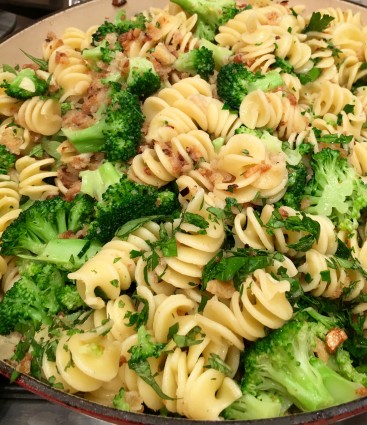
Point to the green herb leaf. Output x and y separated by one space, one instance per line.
135 224
312 75
318 22
43 65
215 362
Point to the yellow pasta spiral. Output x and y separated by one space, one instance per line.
272 110
261 303
40 115
341 16
250 230
249 170
165 162
95 359
9 202
178 91
327 97
32 174
70 72
16 139
9 272
200 393
78 39
194 249
112 269
338 282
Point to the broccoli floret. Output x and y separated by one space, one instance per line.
142 80
335 190
283 368
39 230
7 160
119 401
235 81
120 26
25 85
263 406
297 177
117 132
128 200
96 182
103 52
221 54
211 14
68 298
140 354
197 61
33 297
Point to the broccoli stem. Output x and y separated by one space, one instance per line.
67 254
342 390
91 139
269 81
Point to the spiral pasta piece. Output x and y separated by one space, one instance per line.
341 16
349 38
250 230
9 202
167 161
326 97
188 388
16 139
78 39
350 71
346 122
194 249
95 359
70 72
40 115
246 21
112 269
9 272
166 97
174 30
249 171
297 53
272 110
358 157
261 303
32 174
329 282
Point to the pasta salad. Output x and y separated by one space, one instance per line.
183 205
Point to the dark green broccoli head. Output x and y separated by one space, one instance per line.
117 132
81 212
297 177
44 222
128 200
335 190
211 14
32 298
124 120
7 160
197 61
69 299
121 26
235 81
142 80
104 52
25 85
284 365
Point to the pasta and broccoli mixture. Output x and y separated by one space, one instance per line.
183 204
